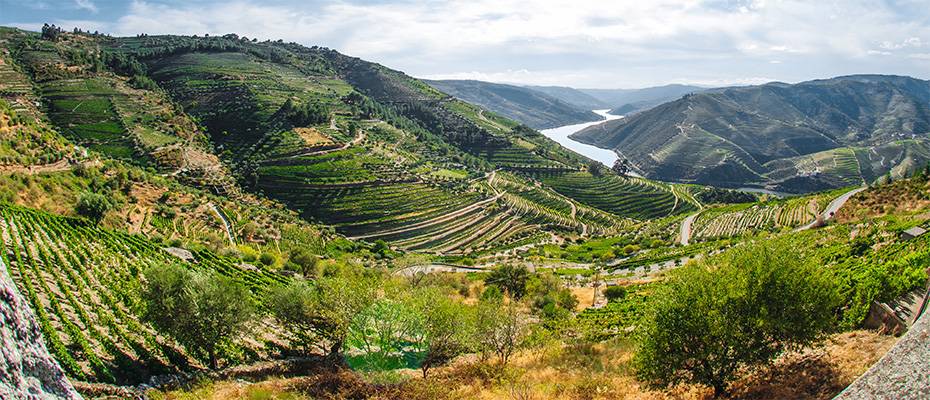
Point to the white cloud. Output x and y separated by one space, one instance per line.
909 42
86 5
576 42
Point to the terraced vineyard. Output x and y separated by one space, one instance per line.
548 207
82 283
629 197
15 86
372 152
83 109
837 167
739 219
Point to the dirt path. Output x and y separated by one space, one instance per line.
491 176
58 166
358 139
425 269
833 207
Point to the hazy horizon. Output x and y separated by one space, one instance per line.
580 44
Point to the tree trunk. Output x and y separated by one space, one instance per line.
213 362
335 353
720 390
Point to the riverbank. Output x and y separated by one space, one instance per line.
562 133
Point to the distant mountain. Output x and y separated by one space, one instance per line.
619 101
531 107
808 136
627 101
573 96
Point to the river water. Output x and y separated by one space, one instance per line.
560 134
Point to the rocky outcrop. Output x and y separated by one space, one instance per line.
27 370
900 374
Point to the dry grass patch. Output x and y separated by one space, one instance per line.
313 137
599 371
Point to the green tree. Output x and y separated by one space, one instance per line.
304 261
511 279
614 293
382 330
499 328
596 168
441 331
321 315
204 311
714 319
93 206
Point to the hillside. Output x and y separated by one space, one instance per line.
374 153
795 138
619 101
218 217
531 107
576 97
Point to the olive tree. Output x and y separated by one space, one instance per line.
441 330
93 206
499 328
203 311
732 313
320 314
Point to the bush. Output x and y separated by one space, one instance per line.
93 206
142 82
267 259
203 311
303 261
613 293
715 319
321 315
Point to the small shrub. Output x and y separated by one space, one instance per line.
267 259
614 293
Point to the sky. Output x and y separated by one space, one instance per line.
577 43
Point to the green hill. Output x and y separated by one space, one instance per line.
531 107
343 142
796 138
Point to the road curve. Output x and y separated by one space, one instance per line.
833 207
686 228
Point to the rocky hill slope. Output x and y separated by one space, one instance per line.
809 136
29 371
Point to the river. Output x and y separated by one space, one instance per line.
560 134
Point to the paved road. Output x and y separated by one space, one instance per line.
834 206
425 269
686 228
226 225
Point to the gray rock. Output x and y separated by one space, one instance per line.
27 370
902 373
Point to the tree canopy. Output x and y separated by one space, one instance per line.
720 316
